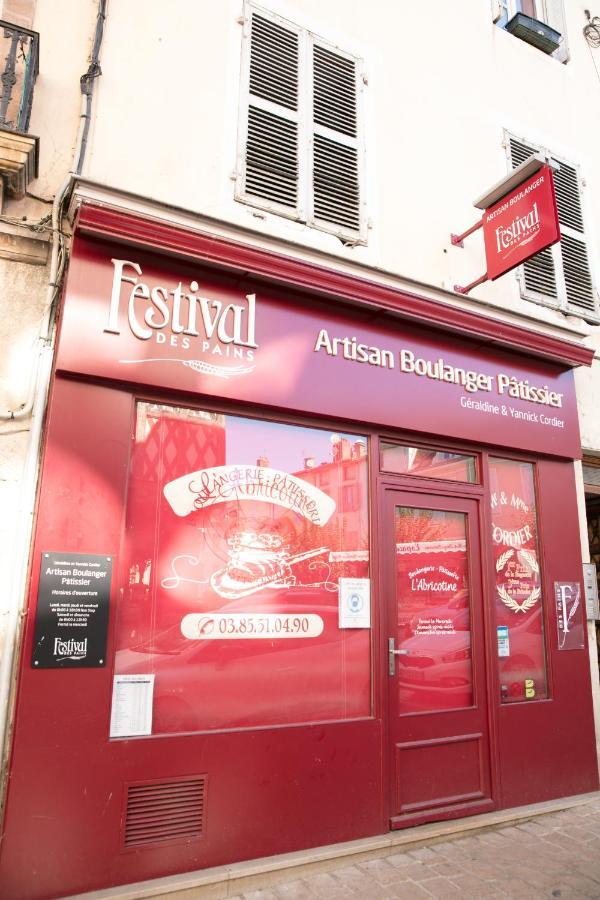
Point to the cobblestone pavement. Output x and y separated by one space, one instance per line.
554 855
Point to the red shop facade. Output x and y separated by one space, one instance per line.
306 567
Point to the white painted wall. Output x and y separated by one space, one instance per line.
444 83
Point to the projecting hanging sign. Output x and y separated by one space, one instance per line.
521 224
520 219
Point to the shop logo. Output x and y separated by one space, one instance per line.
70 649
180 318
520 231
355 603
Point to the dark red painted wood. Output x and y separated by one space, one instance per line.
547 749
440 758
270 790
293 354
140 231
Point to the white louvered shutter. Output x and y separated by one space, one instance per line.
300 141
561 274
335 161
271 128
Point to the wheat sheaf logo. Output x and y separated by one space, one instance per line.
528 560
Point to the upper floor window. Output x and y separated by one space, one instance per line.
560 276
300 149
538 22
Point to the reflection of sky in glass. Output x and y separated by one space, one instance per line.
285 446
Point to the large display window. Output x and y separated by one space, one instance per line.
519 610
241 539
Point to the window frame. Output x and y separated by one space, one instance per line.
303 212
504 10
561 301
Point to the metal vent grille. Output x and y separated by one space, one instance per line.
567 197
336 192
578 278
164 811
272 157
274 63
334 87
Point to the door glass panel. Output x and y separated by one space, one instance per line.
519 618
433 604
426 463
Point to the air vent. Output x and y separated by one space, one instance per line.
164 811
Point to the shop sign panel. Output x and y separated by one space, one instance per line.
137 317
569 618
72 612
521 224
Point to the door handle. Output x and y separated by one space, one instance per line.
392 654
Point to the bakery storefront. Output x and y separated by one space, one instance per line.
306 567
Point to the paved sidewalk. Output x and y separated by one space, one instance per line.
556 855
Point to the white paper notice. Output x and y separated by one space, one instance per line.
131 712
355 603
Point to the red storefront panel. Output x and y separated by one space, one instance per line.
136 317
173 372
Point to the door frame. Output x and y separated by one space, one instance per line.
385 484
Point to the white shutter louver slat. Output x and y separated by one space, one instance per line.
334 102
336 190
271 171
274 63
336 197
272 157
567 197
538 272
578 278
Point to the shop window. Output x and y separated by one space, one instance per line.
427 463
233 561
540 23
560 276
301 147
519 606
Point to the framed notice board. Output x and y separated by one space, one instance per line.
71 620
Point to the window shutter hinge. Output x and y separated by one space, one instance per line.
241 20
365 78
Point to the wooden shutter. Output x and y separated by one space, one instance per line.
272 125
561 273
538 273
335 162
